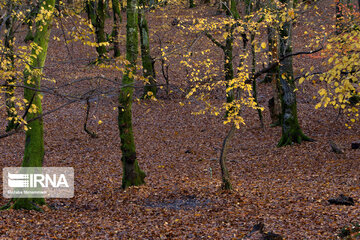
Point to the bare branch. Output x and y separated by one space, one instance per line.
214 40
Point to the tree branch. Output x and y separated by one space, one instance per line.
214 40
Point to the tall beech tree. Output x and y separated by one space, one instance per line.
291 130
147 60
230 97
34 141
132 174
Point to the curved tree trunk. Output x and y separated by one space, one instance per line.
224 171
291 131
132 174
34 141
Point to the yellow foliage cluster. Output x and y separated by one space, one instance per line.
342 77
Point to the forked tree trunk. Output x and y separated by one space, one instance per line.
132 174
147 61
291 131
34 141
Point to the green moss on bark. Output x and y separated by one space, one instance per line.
147 61
97 15
291 131
132 174
34 141
115 32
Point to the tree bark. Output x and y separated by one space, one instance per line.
291 131
34 141
191 4
115 32
9 56
273 76
224 171
29 22
132 174
96 15
147 61
228 65
254 85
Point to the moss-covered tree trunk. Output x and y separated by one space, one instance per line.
291 131
115 32
191 4
147 61
9 66
34 141
100 29
29 21
132 174
96 15
233 8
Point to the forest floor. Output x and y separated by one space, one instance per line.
285 188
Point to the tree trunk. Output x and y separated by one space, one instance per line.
29 22
34 142
253 66
228 66
132 174
291 131
9 66
191 4
116 27
273 77
147 61
97 17
233 9
100 29
224 171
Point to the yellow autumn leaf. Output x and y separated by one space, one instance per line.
291 13
301 80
